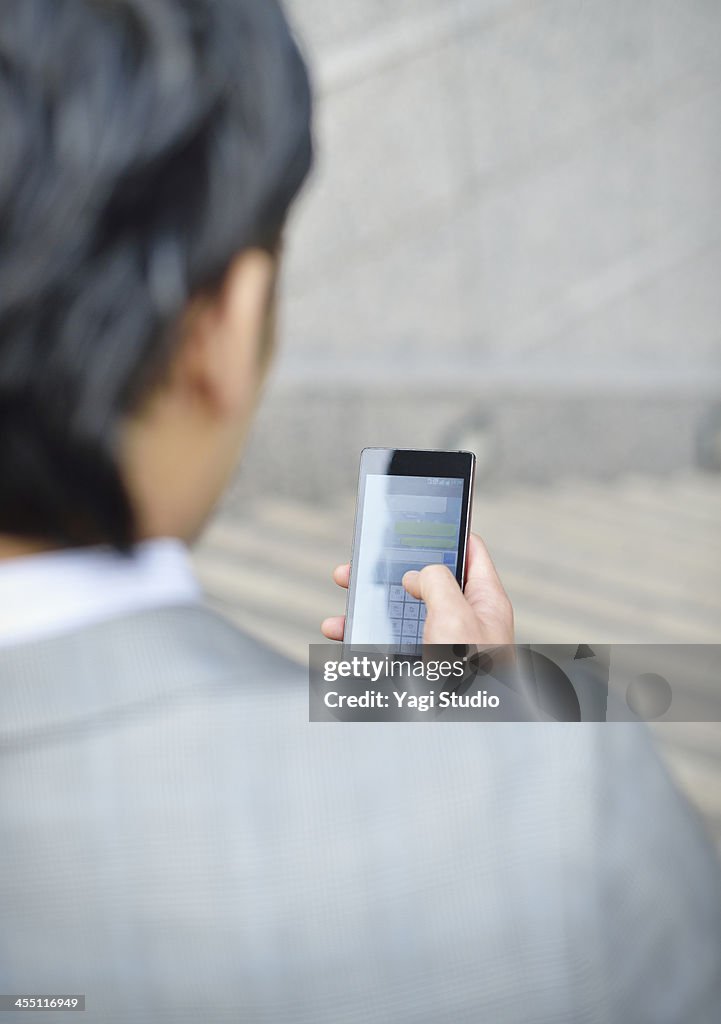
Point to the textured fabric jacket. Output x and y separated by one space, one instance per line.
180 844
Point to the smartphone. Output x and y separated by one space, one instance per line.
413 509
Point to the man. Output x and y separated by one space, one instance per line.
177 841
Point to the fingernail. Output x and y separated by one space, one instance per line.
410 577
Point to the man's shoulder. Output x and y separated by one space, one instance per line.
197 640
141 659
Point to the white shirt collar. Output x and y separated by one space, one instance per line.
59 591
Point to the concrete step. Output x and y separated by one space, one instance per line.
635 561
307 438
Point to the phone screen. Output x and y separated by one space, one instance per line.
405 519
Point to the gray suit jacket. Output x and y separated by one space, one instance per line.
180 844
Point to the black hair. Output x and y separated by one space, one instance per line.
143 144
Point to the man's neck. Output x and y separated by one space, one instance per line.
17 547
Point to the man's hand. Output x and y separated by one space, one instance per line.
481 615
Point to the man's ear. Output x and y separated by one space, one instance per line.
218 362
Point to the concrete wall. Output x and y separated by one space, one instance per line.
512 239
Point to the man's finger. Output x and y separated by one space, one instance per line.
341 575
484 591
434 584
479 563
333 627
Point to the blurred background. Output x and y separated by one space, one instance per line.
511 243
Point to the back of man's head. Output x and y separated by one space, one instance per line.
143 144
